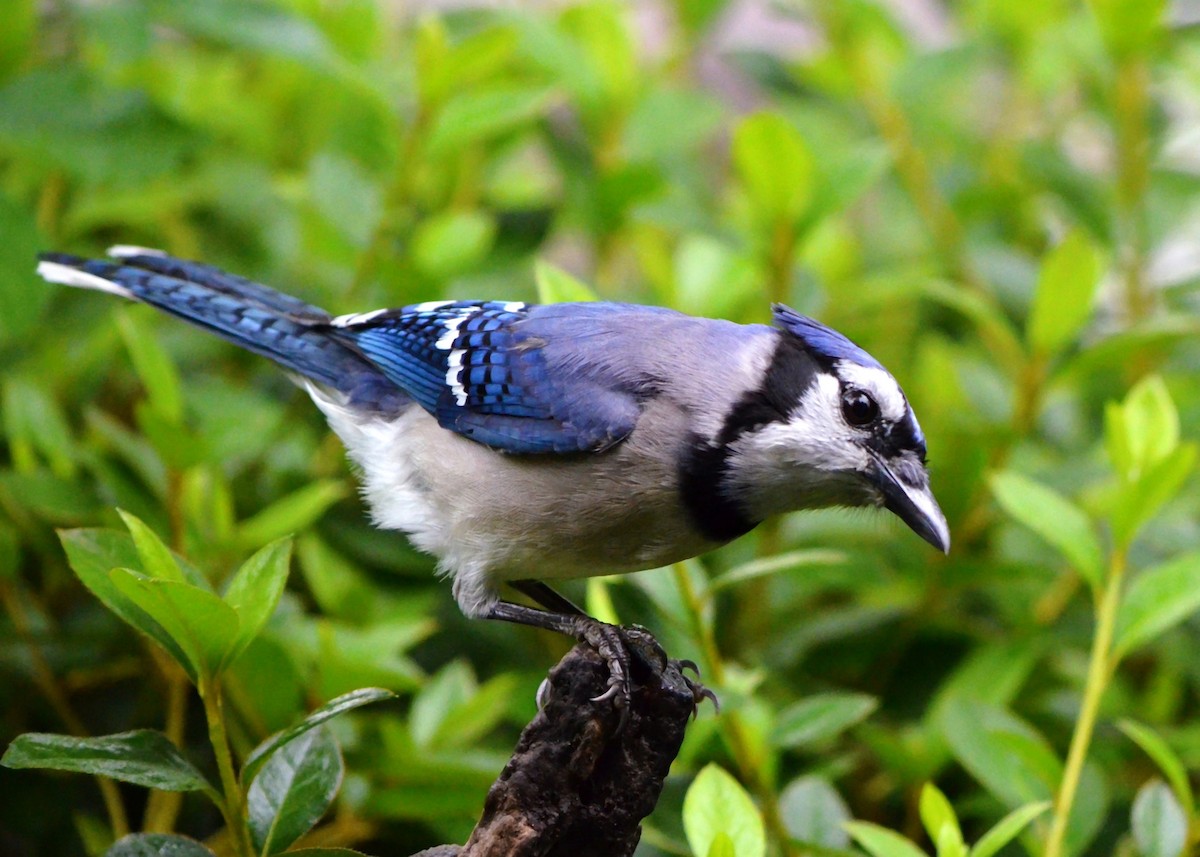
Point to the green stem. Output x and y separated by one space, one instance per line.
233 803
735 730
1101 664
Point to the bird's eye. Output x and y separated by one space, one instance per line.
858 408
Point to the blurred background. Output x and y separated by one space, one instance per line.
997 199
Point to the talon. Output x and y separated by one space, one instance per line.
613 693
689 665
542 697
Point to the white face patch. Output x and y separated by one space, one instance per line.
65 275
877 383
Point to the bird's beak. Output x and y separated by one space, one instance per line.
914 505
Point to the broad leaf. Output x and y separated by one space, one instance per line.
93 554
814 813
331 709
290 514
1141 500
1166 759
1065 293
255 590
821 717
1008 828
202 625
474 116
156 558
157 845
293 790
881 842
144 757
1158 600
1055 518
774 166
1160 827
938 817
556 286
716 803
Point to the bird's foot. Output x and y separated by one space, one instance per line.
699 691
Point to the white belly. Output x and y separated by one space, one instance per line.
491 517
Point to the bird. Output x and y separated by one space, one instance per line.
522 443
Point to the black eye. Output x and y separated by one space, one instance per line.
858 408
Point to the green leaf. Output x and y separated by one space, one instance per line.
722 846
716 803
1008 828
1129 27
255 590
22 297
93 554
1166 759
291 514
774 165
451 687
881 842
1160 827
1158 599
821 717
156 558
202 625
143 757
347 702
1055 518
814 813
293 790
153 366
34 421
1066 291
452 243
768 565
157 845
556 286
479 114
1144 428
938 817
1138 502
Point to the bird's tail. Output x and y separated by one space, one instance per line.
289 331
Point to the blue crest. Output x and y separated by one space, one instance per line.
819 340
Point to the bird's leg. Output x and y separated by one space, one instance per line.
547 597
609 641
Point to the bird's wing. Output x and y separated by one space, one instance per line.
484 374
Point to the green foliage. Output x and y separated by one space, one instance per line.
994 203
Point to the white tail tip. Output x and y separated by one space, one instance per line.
56 272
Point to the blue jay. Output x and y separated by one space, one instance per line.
520 443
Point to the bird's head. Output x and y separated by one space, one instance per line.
829 427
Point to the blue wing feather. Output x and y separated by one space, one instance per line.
470 364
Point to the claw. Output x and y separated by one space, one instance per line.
543 694
613 693
685 664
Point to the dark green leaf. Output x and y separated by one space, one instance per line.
294 789
143 757
346 702
157 845
93 554
202 625
821 717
